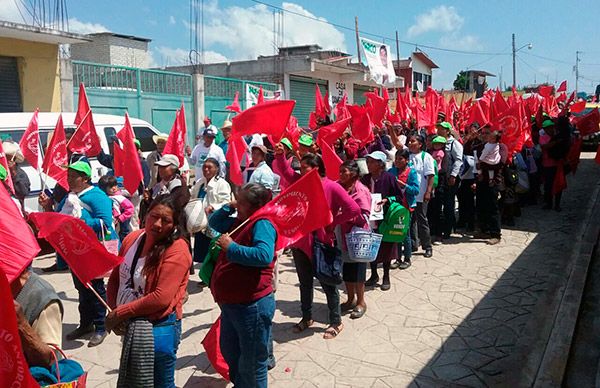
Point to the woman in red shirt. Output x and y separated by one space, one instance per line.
151 284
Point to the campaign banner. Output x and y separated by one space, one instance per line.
252 92
379 59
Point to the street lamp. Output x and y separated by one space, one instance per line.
514 55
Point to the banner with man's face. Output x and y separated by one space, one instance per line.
379 60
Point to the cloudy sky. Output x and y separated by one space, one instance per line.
480 31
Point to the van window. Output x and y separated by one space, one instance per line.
144 135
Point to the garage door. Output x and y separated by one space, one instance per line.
359 91
10 91
303 91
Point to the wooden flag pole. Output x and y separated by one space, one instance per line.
89 286
79 126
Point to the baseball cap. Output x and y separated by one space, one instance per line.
306 140
82 167
439 139
286 143
209 132
547 123
262 148
168 160
378 155
445 125
137 143
3 173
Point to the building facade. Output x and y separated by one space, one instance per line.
417 71
113 49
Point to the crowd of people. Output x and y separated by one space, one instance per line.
428 173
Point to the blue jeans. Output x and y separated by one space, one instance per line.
245 335
406 247
167 335
91 310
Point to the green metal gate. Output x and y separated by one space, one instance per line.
359 91
303 91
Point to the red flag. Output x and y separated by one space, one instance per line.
500 104
560 180
362 127
326 103
261 96
77 243
299 210
574 154
270 118
211 344
577 107
293 132
85 140
378 107
330 159
332 132
18 245
341 111
235 106
235 152
562 87
545 90
512 125
14 371
476 115
589 123
129 166
176 141
4 164
320 110
30 142
56 156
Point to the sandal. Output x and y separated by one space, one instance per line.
332 331
302 325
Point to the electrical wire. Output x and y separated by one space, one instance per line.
417 45
547 59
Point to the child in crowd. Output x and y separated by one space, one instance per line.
122 207
490 155
438 144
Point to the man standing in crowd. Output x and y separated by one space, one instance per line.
449 178
207 148
154 156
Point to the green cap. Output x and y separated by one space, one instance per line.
286 143
3 173
137 143
439 139
306 140
547 123
445 125
82 167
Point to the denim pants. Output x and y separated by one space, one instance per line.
91 310
167 335
406 245
305 271
449 203
245 335
419 226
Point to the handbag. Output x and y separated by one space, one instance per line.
327 263
64 373
196 219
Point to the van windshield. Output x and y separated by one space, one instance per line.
144 135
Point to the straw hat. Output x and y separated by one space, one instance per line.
13 151
160 137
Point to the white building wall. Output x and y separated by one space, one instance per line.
420 67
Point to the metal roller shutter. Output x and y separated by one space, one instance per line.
10 90
303 91
359 91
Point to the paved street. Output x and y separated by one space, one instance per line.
473 315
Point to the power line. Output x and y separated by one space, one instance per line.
548 59
378 35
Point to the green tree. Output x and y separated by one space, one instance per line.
461 82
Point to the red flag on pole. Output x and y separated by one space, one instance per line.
14 371
577 107
212 347
362 127
299 210
326 105
270 118
574 154
176 141
30 142
56 156
562 87
128 165
378 107
18 245
511 125
235 106
235 152
330 159
261 96
4 164
320 110
332 132
589 123
77 243
545 90
85 140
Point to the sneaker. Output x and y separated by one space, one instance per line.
428 253
395 264
97 339
405 264
80 332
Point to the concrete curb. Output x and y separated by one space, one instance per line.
552 367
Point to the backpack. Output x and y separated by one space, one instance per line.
435 169
395 224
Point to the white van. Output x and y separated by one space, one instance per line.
13 125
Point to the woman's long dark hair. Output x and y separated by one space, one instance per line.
314 161
153 259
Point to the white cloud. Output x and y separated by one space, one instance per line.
172 20
9 12
248 32
442 19
168 56
76 25
457 42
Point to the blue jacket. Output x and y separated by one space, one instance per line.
100 208
411 190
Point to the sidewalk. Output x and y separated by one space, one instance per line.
472 315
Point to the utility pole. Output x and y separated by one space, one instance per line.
357 40
500 80
397 51
514 54
577 72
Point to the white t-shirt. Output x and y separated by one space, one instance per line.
423 165
201 153
130 291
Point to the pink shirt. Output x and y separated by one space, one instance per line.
547 161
